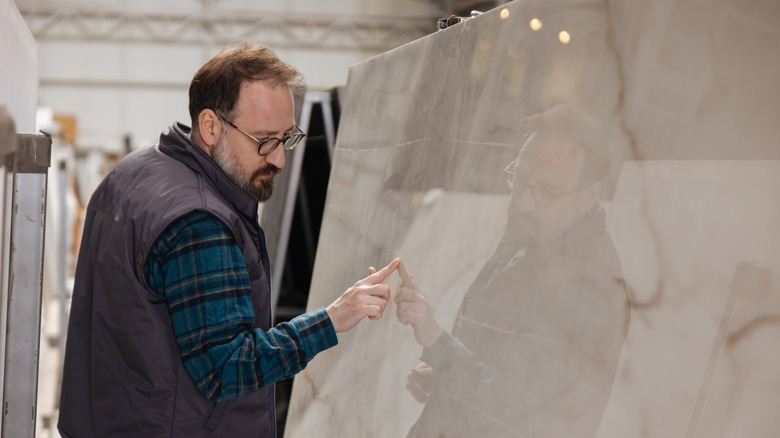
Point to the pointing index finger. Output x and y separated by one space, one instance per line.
403 273
406 278
380 276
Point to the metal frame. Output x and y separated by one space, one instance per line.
310 99
216 25
29 171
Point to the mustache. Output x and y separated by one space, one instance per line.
267 170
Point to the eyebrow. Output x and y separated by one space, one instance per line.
262 134
546 186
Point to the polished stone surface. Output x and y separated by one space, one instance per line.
688 99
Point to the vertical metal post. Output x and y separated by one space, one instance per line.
295 167
62 251
25 282
8 145
324 100
288 207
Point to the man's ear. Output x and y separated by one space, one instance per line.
589 197
209 130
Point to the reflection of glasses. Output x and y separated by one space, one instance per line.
541 195
269 144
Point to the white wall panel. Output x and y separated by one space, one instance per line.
18 72
81 62
170 105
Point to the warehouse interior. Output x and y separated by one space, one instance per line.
429 91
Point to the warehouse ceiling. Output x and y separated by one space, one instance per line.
212 24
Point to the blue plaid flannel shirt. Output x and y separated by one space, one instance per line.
198 269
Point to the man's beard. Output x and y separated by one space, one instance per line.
521 228
231 165
525 229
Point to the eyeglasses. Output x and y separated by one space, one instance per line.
269 144
541 195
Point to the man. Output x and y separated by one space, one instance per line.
536 341
170 328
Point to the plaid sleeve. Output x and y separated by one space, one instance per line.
198 269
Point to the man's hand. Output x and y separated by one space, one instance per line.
367 297
419 382
414 309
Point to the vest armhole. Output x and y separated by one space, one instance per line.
144 257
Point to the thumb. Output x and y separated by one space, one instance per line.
372 270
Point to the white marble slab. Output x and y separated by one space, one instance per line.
689 98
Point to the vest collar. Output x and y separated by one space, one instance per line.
175 142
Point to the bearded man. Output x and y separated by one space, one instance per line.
170 325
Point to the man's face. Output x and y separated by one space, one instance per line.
548 163
263 110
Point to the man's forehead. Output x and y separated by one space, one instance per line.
551 159
266 99
551 149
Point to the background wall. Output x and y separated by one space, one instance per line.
122 68
18 80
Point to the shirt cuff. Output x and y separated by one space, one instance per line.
442 351
316 331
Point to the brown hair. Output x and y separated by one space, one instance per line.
573 123
217 83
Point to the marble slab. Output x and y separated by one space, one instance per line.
687 98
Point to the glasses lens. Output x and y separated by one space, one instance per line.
542 196
292 140
268 145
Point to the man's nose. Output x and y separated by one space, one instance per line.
276 157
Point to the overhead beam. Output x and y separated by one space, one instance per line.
222 26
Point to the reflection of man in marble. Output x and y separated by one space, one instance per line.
536 341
